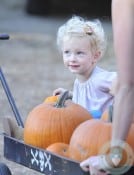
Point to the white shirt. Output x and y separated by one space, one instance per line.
94 93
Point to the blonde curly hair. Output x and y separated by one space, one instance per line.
78 26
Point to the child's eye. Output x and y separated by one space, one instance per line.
66 52
80 53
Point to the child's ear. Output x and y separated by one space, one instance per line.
97 55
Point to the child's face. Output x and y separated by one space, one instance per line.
78 56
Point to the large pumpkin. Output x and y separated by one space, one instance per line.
48 123
89 137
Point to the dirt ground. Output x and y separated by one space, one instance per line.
32 65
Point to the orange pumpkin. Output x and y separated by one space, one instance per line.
59 149
51 99
48 123
89 137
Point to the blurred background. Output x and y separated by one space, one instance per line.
30 60
85 7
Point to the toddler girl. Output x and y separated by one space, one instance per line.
82 44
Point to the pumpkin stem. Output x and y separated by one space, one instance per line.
110 113
62 98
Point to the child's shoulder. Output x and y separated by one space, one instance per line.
104 74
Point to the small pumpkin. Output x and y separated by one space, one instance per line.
48 123
89 137
51 99
59 149
107 115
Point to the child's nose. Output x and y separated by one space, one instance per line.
72 57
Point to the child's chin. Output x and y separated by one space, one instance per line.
74 71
